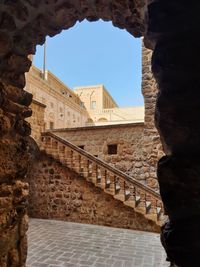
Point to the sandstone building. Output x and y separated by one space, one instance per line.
170 30
95 97
103 109
63 106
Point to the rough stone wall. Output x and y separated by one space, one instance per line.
139 145
173 30
151 145
37 120
61 110
56 192
96 140
23 25
14 159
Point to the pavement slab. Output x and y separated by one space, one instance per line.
55 243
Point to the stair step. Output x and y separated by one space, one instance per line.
148 206
137 200
120 197
152 217
130 203
110 192
141 210
92 172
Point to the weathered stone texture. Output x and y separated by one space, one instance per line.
137 155
56 192
37 120
139 146
23 25
13 190
173 28
175 65
151 146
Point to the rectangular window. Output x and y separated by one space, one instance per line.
93 105
112 149
51 125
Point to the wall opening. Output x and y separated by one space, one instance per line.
112 149
92 59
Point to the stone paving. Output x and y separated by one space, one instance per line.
56 243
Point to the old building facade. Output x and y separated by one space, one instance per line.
63 107
85 106
95 97
103 109
171 30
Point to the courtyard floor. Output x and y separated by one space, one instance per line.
56 243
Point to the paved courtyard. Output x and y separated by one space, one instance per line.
57 243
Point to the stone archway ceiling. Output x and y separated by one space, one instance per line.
25 23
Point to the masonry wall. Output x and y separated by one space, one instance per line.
63 107
151 147
37 120
96 139
137 153
58 193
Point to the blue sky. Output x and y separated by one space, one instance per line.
97 53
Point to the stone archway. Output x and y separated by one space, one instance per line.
23 24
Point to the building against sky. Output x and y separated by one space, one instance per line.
97 53
95 97
103 109
63 107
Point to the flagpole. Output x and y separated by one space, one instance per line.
44 62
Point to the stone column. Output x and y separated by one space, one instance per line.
173 32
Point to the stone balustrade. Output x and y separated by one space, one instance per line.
131 192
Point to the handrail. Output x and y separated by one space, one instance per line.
104 165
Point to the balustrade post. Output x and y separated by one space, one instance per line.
120 188
55 149
161 215
94 173
103 178
141 200
68 158
89 177
84 167
99 176
110 183
48 145
73 159
152 211
77 162
130 188
61 153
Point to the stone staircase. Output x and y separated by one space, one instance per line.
131 192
